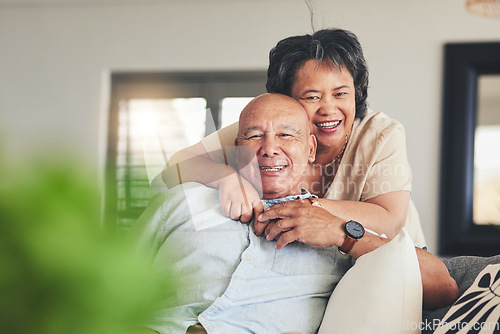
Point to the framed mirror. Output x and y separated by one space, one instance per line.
470 165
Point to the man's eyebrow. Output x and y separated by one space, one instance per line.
252 128
289 127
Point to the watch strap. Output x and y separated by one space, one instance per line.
347 245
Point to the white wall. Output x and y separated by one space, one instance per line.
55 57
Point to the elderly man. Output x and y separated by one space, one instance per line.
235 281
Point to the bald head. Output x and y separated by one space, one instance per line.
272 103
275 130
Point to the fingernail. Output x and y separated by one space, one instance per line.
259 217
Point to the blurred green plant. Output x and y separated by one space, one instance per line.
60 271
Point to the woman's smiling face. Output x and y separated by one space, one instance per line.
328 96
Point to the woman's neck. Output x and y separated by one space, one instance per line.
325 154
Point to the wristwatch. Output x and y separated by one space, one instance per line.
354 231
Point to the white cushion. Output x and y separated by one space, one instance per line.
381 293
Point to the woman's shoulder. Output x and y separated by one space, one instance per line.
376 120
376 124
376 128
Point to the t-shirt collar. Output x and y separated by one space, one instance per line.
304 194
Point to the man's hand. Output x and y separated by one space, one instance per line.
300 221
239 198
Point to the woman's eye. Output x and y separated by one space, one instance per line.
312 98
340 94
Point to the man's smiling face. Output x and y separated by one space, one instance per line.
274 128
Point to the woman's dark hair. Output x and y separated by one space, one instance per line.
339 47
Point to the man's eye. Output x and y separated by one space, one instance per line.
285 135
254 137
340 94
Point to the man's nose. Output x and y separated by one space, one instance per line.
269 147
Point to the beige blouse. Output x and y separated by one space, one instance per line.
374 163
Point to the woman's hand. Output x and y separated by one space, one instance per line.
300 221
239 198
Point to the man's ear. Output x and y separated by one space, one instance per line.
313 144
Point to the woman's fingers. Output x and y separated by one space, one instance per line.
226 208
235 211
307 224
252 207
246 210
283 210
239 199
259 227
258 207
272 230
279 212
287 238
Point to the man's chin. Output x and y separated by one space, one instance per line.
277 192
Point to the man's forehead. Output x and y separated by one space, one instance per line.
276 114
276 107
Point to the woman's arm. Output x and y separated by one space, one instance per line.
203 162
439 288
373 182
384 214
239 199
194 164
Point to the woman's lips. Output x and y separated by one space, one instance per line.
329 126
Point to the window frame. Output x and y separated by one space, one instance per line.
212 86
458 234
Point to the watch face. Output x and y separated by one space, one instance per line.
354 229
